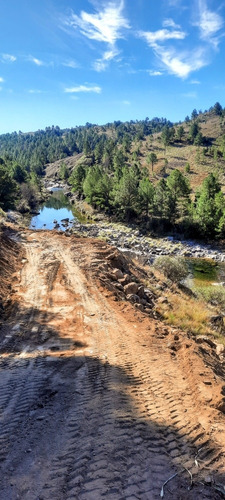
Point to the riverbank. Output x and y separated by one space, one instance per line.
129 239
126 237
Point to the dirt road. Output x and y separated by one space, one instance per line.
98 399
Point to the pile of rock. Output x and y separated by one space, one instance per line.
117 277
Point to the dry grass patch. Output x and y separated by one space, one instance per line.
188 314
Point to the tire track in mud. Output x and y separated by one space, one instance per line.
112 420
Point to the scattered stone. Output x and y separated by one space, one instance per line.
217 322
119 286
117 273
132 297
140 307
220 349
125 280
202 338
208 480
141 291
34 329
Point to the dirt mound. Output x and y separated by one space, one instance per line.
11 254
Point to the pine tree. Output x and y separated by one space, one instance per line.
146 195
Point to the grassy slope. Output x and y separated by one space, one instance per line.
177 154
181 153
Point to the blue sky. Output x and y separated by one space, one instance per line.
68 62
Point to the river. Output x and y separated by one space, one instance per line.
55 213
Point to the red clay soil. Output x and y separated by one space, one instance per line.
99 399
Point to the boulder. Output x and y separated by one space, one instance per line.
141 291
132 297
117 273
220 349
131 288
125 280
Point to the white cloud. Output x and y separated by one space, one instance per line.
152 37
1 79
71 64
36 61
8 58
209 23
169 23
83 88
181 64
101 64
152 72
126 103
106 26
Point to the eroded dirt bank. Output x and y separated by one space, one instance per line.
98 398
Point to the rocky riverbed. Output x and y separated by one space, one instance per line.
129 239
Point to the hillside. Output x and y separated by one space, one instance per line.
203 159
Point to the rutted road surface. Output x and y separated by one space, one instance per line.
93 402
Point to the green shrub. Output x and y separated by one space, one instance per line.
214 294
174 268
187 168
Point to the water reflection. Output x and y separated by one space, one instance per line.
204 272
53 213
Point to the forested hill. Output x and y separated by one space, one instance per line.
169 174
34 150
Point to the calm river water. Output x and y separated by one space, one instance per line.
53 211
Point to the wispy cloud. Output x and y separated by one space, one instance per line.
83 88
1 79
210 23
182 64
71 64
106 26
176 62
169 23
153 72
8 58
102 63
126 103
153 37
195 82
166 43
36 61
